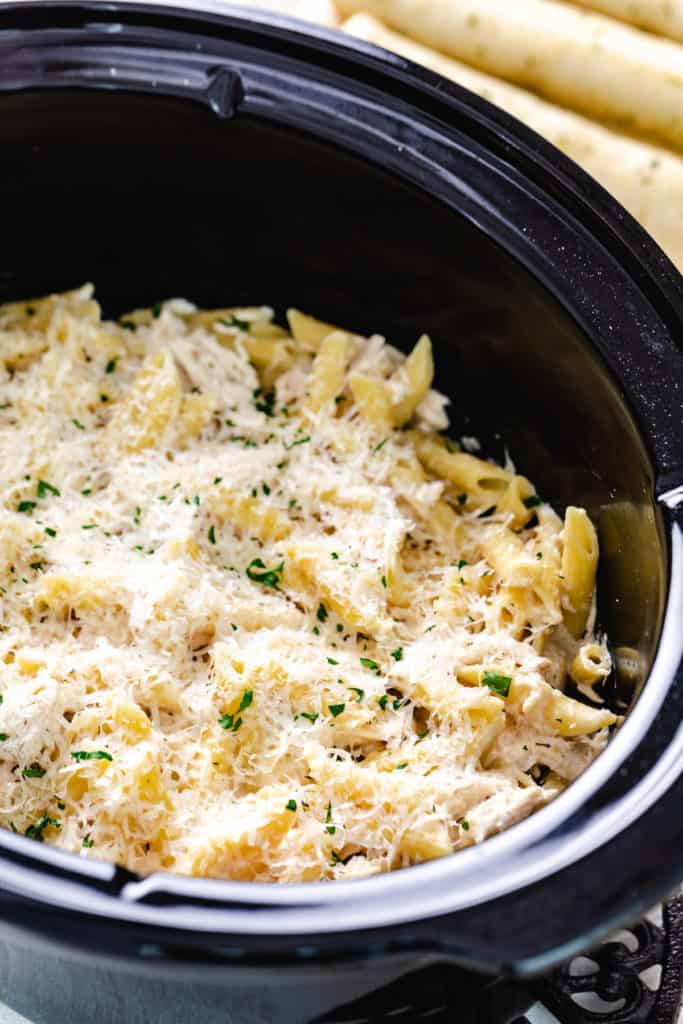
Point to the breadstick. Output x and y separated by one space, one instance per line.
584 61
662 16
647 180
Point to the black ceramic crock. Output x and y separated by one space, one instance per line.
233 157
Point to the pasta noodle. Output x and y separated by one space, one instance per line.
261 621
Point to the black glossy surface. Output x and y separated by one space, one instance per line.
573 359
154 198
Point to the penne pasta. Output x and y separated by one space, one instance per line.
579 565
241 572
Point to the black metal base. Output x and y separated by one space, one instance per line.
614 973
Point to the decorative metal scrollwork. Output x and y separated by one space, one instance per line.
635 977
616 988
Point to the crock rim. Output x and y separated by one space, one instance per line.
300 908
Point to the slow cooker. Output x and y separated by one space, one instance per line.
225 155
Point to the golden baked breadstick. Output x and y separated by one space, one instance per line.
584 61
647 180
664 17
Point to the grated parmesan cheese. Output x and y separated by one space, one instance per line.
246 634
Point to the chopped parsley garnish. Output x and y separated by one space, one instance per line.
78 424
397 655
331 661
218 479
88 843
401 766
378 447
91 755
111 366
328 813
369 663
241 325
533 501
397 703
104 398
197 500
334 555
156 310
128 325
384 582
382 701
359 693
462 498
3 737
36 831
233 721
462 563
497 683
26 506
247 699
290 805
421 735
37 566
86 491
264 401
464 824
302 440
312 716
212 537
539 554
34 772
336 709
266 489
330 829
321 614
430 628
267 577
89 526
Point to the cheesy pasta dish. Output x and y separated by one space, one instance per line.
261 619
